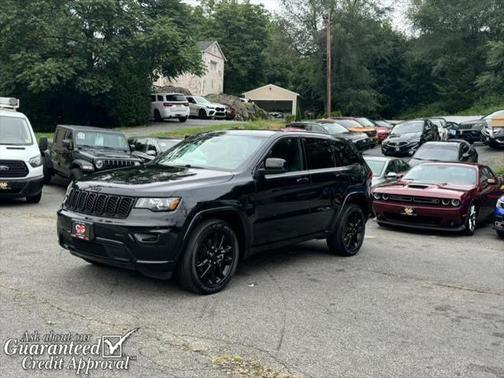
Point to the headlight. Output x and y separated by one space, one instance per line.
36 161
385 197
498 130
445 202
210 107
455 202
137 163
158 204
376 196
500 203
99 164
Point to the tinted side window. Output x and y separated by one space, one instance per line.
159 98
289 150
320 153
344 154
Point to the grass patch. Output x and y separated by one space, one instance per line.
49 136
253 125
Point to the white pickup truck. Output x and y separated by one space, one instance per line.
21 172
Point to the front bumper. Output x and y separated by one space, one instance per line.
149 249
499 220
22 187
425 217
496 141
363 144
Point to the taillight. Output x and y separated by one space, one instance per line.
167 104
186 104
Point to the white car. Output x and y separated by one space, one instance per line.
21 171
202 108
169 105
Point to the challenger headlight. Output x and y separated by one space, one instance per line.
99 164
376 196
445 202
36 161
158 204
455 202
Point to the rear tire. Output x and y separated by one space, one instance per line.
210 258
202 114
34 199
183 119
348 238
157 116
471 220
47 175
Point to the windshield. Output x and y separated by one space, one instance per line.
14 131
166 144
201 100
498 113
365 122
408 127
334 128
218 151
376 166
438 152
349 124
442 174
101 140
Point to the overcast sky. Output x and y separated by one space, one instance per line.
398 17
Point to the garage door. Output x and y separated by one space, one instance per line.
275 106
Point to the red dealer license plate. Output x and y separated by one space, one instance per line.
81 230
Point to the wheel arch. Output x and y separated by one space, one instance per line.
356 198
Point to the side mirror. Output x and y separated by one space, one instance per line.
274 166
68 144
466 155
43 144
491 181
151 153
392 176
132 147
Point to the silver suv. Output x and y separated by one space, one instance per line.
202 108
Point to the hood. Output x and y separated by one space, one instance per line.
216 105
404 137
475 122
18 152
98 153
352 136
152 180
403 188
377 181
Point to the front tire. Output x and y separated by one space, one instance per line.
348 238
471 220
47 175
34 199
183 119
210 258
202 114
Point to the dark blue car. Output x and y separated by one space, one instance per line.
499 217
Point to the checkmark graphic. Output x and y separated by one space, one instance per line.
115 347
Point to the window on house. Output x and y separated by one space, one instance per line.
213 66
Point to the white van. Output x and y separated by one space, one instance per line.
21 172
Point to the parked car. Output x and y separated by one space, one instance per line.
360 140
215 199
499 217
452 151
493 132
79 150
471 130
169 105
407 137
277 115
386 170
202 108
383 129
352 126
147 148
21 172
439 196
442 126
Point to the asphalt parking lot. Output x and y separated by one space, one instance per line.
410 304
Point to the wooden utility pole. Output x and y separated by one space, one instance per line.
329 62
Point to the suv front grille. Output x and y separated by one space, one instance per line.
111 164
13 168
92 203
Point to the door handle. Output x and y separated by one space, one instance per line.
302 180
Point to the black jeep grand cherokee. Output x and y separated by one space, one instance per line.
216 198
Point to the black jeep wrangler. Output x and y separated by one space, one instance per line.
79 150
215 199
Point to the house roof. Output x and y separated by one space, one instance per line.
205 45
270 85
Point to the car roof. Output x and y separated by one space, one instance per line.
277 133
444 144
167 93
11 113
378 158
152 137
88 128
453 164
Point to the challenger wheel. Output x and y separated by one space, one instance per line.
471 219
348 238
210 258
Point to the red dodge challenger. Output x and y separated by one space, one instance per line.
439 196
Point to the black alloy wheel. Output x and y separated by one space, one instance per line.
210 258
348 238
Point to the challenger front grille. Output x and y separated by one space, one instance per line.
92 203
13 168
419 200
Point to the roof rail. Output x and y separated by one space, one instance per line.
9 103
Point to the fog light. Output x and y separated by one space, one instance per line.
455 202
